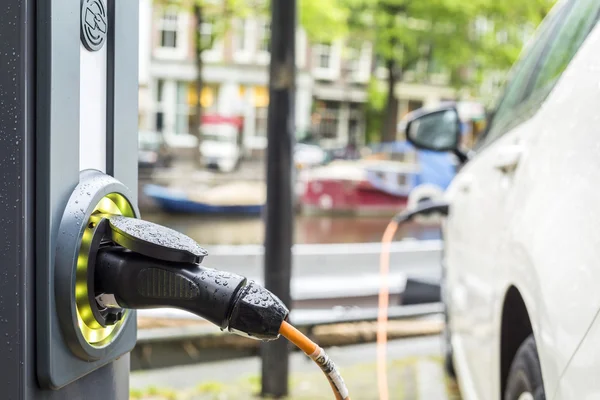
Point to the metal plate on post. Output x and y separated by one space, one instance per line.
122 93
94 24
78 91
93 67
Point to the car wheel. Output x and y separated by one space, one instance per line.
525 376
448 355
449 366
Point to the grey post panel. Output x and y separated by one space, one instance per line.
68 125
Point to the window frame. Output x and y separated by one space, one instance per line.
264 36
352 61
171 19
168 23
244 33
183 110
334 52
159 112
206 32
319 53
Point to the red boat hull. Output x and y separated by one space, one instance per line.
346 196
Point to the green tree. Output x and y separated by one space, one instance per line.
323 20
464 38
376 99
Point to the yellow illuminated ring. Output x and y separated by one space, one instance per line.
93 332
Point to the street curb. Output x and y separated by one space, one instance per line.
163 347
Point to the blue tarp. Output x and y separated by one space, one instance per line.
436 168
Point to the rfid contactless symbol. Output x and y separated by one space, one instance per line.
94 24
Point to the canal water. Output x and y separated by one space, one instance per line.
235 230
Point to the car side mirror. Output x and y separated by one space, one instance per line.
437 130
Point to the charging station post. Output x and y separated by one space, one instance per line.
280 183
68 102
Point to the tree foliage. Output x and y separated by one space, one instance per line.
323 20
462 38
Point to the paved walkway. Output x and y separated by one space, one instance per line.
415 372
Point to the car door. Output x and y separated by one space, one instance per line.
551 246
475 231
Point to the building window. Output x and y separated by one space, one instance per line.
160 118
261 121
241 35
185 112
322 54
167 26
160 121
160 87
356 124
260 101
352 62
186 105
206 35
326 119
264 36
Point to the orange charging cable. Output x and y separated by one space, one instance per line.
319 357
384 290
317 353
382 314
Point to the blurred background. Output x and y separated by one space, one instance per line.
362 66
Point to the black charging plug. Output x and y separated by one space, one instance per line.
150 278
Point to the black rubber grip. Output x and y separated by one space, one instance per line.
140 282
257 313
159 283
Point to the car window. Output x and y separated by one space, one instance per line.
558 41
516 90
579 23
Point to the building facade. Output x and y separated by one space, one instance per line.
331 82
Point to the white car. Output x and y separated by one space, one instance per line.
308 155
220 147
522 238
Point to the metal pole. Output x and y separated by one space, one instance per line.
279 210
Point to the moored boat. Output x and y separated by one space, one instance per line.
247 198
343 187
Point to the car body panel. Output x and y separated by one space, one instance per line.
571 274
475 235
580 380
541 219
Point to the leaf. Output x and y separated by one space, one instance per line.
323 20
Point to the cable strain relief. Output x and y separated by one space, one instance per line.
257 313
